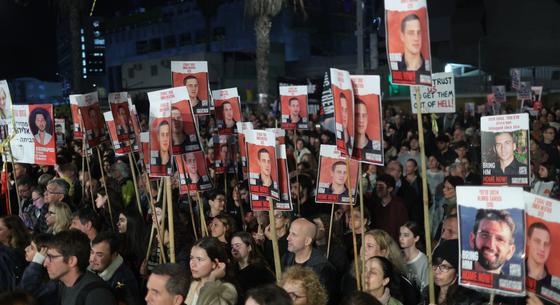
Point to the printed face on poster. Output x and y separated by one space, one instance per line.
439 98
5 111
228 110
161 130
76 116
193 75
92 119
193 174
333 178
500 93
343 97
368 137
515 78
223 154
59 131
185 132
505 149
293 106
242 127
261 158
408 41
135 125
34 143
118 101
284 203
492 238
542 235
118 145
524 92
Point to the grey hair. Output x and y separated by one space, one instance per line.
61 184
122 168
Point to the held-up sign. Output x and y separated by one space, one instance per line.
439 98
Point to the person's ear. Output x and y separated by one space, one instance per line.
72 261
472 238
511 250
178 299
417 238
386 281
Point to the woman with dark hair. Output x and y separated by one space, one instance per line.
546 181
548 144
13 233
222 227
105 198
251 268
381 281
133 231
446 203
14 237
208 262
416 261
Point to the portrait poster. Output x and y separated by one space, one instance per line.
500 93
34 143
542 216
228 110
332 180
193 173
505 149
242 127
326 110
536 97
145 147
439 98
343 97
515 78
223 154
492 239
160 132
92 118
524 92
293 107
262 163
185 137
76 116
6 124
408 42
279 134
193 75
135 125
118 145
368 122
60 131
122 119
284 203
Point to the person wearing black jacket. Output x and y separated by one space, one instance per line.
35 279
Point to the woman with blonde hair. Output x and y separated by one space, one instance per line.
303 286
58 217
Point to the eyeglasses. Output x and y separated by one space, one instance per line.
54 193
51 213
35 199
442 268
295 296
50 257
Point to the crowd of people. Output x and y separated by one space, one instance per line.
79 236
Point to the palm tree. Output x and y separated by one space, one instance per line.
263 11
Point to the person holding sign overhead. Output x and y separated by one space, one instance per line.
411 37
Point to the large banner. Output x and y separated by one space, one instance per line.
184 132
160 132
76 117
122 118
193 173
505 149
293 106
261 158
34 141
343 97
284 203
228 110
92 119
542 216
408 42
333 177
6 126
368 134
193 75
119 146
439 98
492 238
242 127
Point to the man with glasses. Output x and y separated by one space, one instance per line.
24 186
67 261
56 191
493 238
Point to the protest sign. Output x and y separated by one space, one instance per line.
326 111
92 119
284 203
262 163
368 134
228 110
119 146
408 42
193 173
76 117
242 127
524 92
135 125
505 149
279 134
293 106
193 75
515 78
33 141
6 126
185 137
59 131
343 98
499 93
536 97
223 153
145 147
439 98
492 239
160 132
542 216
332 180
118 101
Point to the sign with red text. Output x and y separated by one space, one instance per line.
228 110
160 131
336 179
284 203
505 149
6 124
193 173
343 97
293 107
119 146
439 98
193 75
492 239
262 163
242 127
76 117
185 137
92 118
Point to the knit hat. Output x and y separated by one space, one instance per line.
447 250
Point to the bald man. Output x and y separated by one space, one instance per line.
301 252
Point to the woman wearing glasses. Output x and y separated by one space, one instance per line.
58 217
303 286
